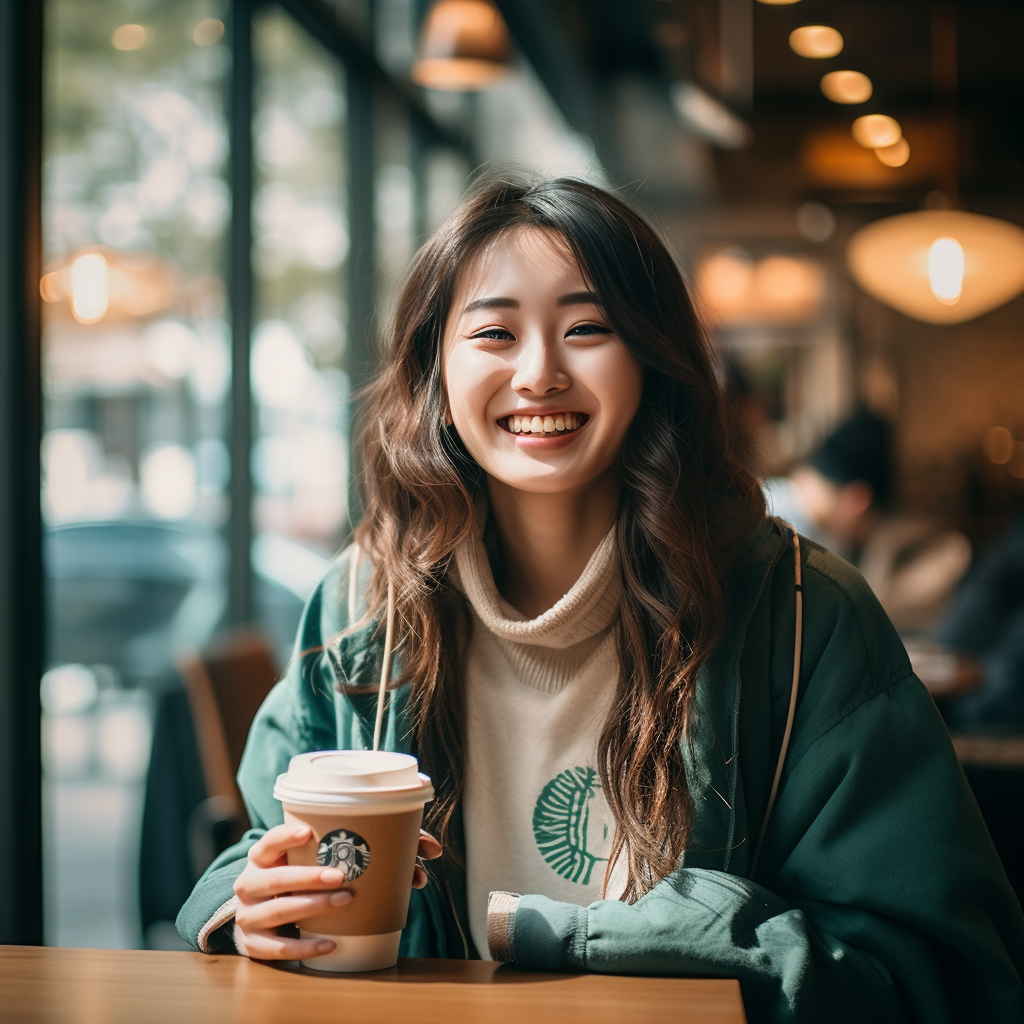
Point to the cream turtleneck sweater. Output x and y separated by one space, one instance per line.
537 694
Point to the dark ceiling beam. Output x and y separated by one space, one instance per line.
542 39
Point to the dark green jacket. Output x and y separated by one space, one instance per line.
878 895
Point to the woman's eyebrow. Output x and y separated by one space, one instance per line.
579 299
492 302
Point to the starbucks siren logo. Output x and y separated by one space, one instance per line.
571 822
345 850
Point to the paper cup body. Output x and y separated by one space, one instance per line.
365 809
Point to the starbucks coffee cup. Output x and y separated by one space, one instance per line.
365 809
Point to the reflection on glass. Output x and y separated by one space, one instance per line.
300 388
136 372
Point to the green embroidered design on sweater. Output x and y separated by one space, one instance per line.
568 829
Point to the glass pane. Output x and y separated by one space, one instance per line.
393 201
300 388
136 372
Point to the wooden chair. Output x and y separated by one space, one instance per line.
226 683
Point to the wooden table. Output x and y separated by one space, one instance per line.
92 986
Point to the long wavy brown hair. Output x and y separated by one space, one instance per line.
688 505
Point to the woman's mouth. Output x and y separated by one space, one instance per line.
544 426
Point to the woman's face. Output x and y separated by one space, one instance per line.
540 388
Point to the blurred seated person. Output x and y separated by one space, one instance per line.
841 497
986 619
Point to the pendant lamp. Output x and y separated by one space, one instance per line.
939 266
464 46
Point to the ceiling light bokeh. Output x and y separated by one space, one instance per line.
846 87
873 131
895 155
818 42
734 289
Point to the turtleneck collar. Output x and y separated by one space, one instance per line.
584 612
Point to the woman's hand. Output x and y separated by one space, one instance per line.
272 893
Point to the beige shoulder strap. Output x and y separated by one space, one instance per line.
787 735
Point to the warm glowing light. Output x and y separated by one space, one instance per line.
724 281
1015 464
939 266
129 37
90 288
846 87
873 131
946 270
776 288
465 45
997 445
208 32
50 287
816 41
779 3
895 155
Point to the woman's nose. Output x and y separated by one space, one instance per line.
539 370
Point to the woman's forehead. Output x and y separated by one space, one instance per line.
501 258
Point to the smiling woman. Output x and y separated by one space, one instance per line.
606 651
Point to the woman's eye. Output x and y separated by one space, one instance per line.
495 334
582 330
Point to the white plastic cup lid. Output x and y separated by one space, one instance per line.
360 774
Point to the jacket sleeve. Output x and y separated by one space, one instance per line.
880 893
298 715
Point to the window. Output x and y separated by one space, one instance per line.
148 353
136 375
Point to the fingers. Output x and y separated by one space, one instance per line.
429 848
267 853
270 946
262 884
268 914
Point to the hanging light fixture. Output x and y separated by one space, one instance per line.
817 42
939 266
464 46
846 87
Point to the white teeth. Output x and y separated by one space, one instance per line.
543 424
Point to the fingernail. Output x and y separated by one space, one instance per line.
332 876
324 947
339 899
